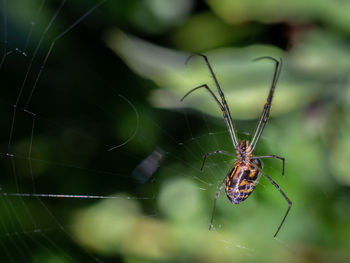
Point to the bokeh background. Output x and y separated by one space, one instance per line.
112 73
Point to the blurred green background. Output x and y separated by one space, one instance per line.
112 73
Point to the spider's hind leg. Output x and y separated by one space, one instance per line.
216 198
281 192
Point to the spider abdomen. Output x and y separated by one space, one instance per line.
241 181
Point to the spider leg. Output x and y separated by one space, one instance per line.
216 197
226 110
271 156
228 121
215 152
208 89
281 192
266 111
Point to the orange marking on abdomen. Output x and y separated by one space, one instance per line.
241 182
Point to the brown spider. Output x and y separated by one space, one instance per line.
247 169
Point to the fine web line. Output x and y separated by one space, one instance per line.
19 238
27 188
136 129
4 7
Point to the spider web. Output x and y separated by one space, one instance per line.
59 126
28 222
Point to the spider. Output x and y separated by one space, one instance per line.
247 169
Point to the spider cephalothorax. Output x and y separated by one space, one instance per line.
244 150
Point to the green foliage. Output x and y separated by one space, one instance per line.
142 56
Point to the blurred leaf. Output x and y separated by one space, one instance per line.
150 16
179 199
117 226
206 31
323 55
332 13
233 66
338 136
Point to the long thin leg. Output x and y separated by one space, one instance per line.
215 152
220 105
216 197
226 111
266 111
208 89
271 156
281 192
